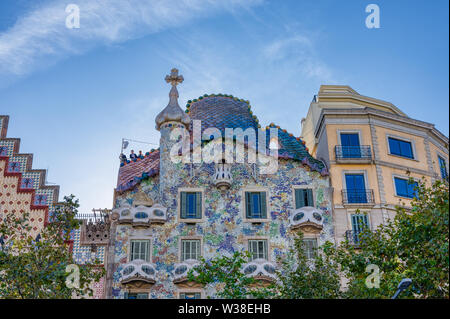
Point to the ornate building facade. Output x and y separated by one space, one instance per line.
22 188
168 212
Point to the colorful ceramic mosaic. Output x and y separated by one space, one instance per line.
223 228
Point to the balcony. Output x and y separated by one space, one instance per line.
138 271
353 154
222 176
354 238
141 215
357 197
182 270
307 218
260 269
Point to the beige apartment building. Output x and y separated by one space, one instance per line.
370 148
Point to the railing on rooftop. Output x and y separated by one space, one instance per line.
97 215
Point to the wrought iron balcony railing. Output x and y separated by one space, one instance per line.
350 196
362 152
354 238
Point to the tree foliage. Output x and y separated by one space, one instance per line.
33 268
226 271
303 278
414 244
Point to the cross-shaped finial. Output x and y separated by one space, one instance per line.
174 78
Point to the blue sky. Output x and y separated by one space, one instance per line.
73 94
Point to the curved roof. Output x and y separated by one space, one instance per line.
222 111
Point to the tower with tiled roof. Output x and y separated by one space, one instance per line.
170 121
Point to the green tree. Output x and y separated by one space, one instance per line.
33 268
414 244
226 273
303 278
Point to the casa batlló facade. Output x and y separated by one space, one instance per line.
167 212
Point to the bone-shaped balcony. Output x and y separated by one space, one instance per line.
309 218
141 215
260 269
138 270
182 269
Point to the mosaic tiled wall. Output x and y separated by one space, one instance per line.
224 230
12 201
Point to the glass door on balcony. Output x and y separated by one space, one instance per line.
350 145
359 223
356 188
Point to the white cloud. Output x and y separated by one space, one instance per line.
42 37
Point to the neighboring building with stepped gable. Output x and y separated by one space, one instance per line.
23 190
167 214
368 146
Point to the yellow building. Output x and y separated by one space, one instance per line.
369 146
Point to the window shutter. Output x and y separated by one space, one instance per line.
366 221
299 198
248 205
198 211
355 223
263 205
183 204
309 194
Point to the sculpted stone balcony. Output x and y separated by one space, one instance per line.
182 269
260 269
138 272
222 177
307 218
141 215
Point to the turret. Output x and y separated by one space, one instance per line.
170 118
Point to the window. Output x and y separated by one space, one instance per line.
255 205
303 197
190 249
140 249
356 188
191 205
404 188
400 148
310 247
190 295
132 295
350 145
258 249
359 223
443 167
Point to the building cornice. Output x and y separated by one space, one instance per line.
384 116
